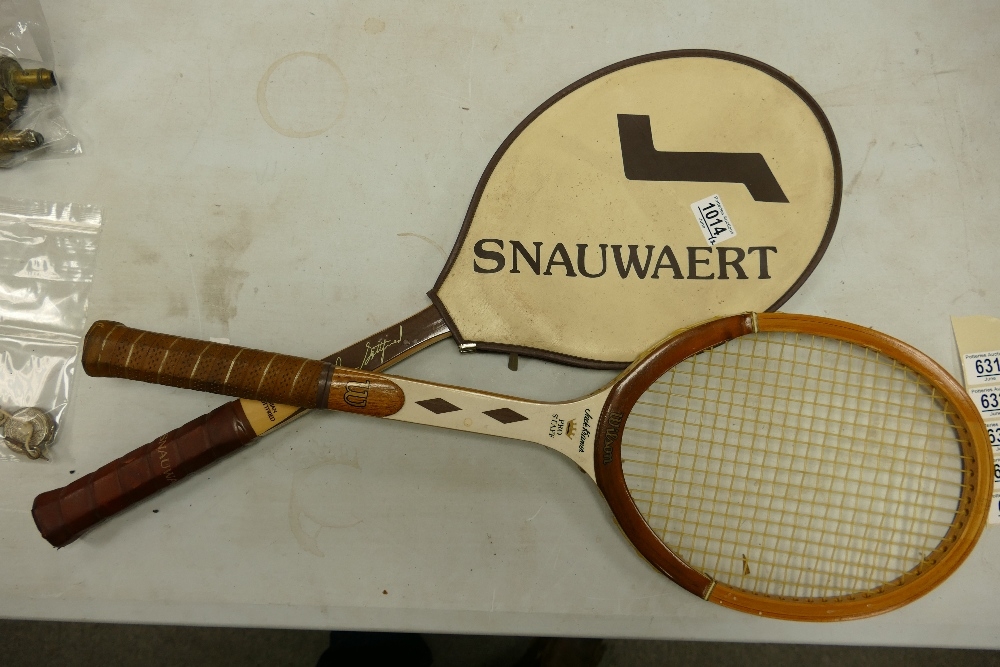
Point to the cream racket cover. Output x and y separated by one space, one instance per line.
648 196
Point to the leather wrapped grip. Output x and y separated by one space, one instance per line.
61 515
111 349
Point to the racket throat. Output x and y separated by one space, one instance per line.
569 428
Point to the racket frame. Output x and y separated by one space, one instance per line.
954 548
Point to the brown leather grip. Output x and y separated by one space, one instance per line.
62 515
111 349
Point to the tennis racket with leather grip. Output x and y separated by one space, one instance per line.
783 465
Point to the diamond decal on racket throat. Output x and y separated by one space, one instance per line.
505 415
438 406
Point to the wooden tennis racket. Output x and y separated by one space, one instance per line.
783 465
588 203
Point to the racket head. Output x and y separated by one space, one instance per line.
612 162
848 543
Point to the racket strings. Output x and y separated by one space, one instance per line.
863 465
795 465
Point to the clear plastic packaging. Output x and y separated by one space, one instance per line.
47 258
24 36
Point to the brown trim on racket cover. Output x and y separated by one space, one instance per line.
838 186
951 552
607 445
62 515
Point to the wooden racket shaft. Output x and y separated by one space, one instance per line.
63 514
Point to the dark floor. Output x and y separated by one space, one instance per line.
24 643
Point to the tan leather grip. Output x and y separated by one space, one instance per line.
111 349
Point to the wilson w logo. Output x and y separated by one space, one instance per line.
356 394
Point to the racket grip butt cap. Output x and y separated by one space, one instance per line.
93 342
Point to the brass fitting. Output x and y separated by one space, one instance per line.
15 84
20 140
17 81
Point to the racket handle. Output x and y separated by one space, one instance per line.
61 515
111 349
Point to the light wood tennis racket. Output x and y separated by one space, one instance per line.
588 201
782 465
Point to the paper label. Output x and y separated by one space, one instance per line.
713 220
987 399
993 427
978 341
264 416
981 368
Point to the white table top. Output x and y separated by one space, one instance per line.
222 220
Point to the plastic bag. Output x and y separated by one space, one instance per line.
47 258
24 36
